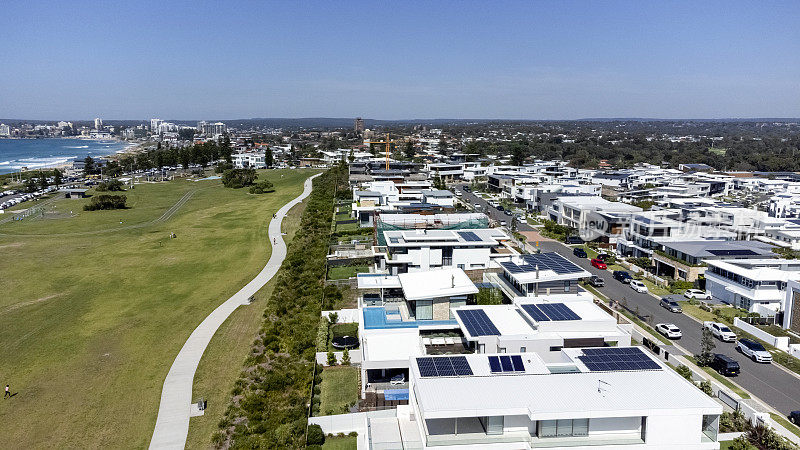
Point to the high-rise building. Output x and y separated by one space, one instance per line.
98 124
154 124
5 130
211 129
359 125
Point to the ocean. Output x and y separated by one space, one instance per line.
43 153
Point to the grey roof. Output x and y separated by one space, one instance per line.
706 249
368 194
437 193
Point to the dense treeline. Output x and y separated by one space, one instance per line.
204 154
766 154
268 403
105 201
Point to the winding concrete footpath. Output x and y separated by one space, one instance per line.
172 424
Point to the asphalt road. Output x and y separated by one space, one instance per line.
768 382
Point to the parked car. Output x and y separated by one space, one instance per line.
669 330
622 276
503 223
466 188
458 194
754 350
697 293
579 252
604 257
597 281
573 240
720 331
725 365
599 264
670 305
500 208
794 417
638 286
398 379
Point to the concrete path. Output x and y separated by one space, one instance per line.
172 424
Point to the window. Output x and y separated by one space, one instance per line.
494 425
424 310
455 304
556 348
523 349
563 428
501 349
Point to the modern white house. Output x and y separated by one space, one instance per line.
791 306
253 160
611 397
424 249
536 275
747 282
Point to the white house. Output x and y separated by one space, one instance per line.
747 282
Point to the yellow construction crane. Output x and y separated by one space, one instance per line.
388 147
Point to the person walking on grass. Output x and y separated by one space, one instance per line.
8 392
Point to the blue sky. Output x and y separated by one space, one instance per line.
460 59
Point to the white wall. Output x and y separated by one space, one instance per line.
674 430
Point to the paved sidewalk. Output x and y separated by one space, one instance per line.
172 424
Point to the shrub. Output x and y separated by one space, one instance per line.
331 358
238 178
346 357
684 371
322 334
262 187
110 185
106 202
705 386
353 434
315 435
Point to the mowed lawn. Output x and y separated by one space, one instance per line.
90 321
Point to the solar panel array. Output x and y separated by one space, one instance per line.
735 252
477 322
446 366
616 358
545 261
501 364
550 311
469 236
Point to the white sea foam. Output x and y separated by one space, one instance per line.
79 146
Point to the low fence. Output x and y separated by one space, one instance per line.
347 423
779 342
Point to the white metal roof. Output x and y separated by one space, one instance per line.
429 284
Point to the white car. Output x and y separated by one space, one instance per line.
638 286
669 330
503 223
398 379
697 293
754 350
720 331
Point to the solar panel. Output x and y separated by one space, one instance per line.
477 322
504 364
494 364
558 311
448 366
516 360
734 252
617 358
469 236
544 261
536 313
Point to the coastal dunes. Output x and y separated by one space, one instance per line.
88 365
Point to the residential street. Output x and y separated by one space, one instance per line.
769 382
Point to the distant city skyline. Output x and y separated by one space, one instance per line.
453 60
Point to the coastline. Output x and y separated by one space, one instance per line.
65 161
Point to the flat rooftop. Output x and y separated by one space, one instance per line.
551 391
542 267
446 282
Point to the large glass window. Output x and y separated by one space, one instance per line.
563 428
494 425
455 303
424 310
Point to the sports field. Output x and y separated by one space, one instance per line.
95 305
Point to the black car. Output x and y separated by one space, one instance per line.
574 240
580 253
623 276
604 257
794 417
725 365
466 188
500 208
596 281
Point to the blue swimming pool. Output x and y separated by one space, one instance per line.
377 317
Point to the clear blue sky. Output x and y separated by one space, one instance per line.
460 59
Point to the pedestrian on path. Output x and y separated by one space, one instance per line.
8 392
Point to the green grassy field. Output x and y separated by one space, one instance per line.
340 389
97 304
340 443
345 272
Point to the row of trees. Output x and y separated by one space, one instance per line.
204 154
